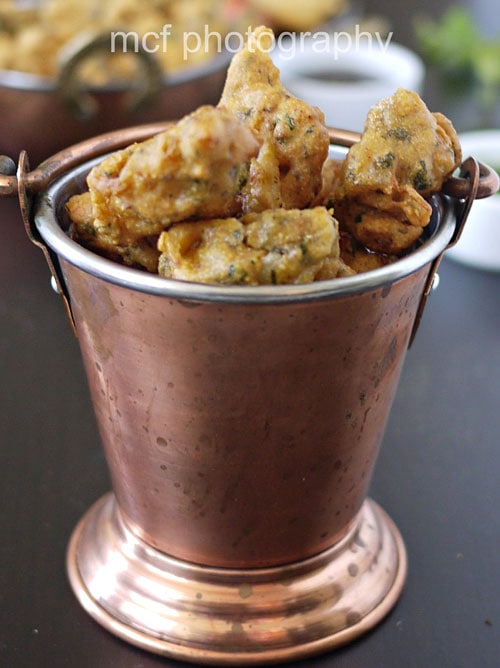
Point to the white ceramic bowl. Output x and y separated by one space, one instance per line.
346 83
479 245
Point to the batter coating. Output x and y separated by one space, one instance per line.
287 171
405 154
194 169
273 247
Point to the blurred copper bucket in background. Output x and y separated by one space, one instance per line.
241 426
47 114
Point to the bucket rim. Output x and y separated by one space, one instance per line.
48 214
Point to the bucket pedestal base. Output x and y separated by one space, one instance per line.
235 617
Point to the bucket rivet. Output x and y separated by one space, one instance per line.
435 282
54 285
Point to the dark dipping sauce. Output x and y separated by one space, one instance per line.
340 76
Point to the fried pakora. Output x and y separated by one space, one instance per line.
277 246
297 14
36 34
141 254
405 154
244 193
287 171
358 258
194 169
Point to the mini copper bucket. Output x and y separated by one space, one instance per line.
241 426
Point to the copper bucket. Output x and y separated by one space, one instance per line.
241 427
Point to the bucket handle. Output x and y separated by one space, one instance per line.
145 86
37 180
475 181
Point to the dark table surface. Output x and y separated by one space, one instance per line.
437 476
